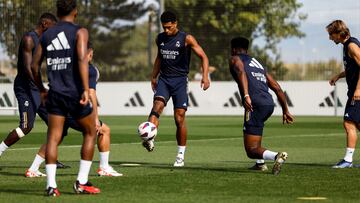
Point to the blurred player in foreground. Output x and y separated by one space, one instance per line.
103 132
65 48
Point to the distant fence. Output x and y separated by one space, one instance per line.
222 98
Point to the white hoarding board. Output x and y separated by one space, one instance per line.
222 98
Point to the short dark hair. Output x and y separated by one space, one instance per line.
168 16
48 16
240 42
64 7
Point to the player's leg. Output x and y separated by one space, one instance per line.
351 118
161 97
33 171
181 136
103 143
27 113
253 130
351 139
87 123
180 101
55 130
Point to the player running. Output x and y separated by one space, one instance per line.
26 92
254 82
65 49
103 132
169 78
340 33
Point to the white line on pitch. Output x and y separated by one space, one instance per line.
202 140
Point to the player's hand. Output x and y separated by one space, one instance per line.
333 80
247 103
205 83
288 118
84 98
153 84
356 95
43 96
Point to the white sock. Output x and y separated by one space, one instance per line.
104 159
36 163
181 151
260 161
3 147
269 155
84 170
51 175
349 154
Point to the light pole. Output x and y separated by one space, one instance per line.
152 14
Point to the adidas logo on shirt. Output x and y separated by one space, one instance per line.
59 43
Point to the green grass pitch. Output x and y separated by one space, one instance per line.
216 166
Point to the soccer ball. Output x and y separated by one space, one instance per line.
147 131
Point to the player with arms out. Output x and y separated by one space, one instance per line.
170 78
65 48
340 33
103 131
26 92
254 82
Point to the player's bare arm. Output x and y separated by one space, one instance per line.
239 66
93 99
191 41
81 49
155 72
274 86
354 52
336 77
27 53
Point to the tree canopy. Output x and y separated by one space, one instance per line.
215 22
110 24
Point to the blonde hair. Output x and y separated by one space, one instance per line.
338 27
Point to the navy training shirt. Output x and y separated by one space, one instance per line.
351 67
257 83
22 80
59 47
174 55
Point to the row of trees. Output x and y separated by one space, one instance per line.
121 45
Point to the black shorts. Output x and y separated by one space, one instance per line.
64 106
254 121
352 111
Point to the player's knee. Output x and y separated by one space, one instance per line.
179 119
105 130
251 152
21 132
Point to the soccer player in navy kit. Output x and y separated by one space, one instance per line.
65 48
26 92
103 130
254 82
169 78
340 33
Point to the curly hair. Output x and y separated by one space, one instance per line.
64 7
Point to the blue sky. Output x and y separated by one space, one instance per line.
316 45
